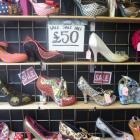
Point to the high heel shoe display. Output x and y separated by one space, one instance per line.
36 51
113 132
43 9
56 88
129 9
98 46
91 9
14 97
98 97
70 132
39 132
12 58
129 91
134 125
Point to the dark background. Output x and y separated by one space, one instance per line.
117 36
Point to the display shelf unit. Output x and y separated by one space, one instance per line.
80 105
87 18
70 63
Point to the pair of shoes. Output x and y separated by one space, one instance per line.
98 97
36 51
129 91
134 125
39 132
129 9
55 88
91 9
70 132
14 97
4 131
113 132
98 46
44 9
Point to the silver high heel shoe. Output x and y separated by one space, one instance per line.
92 8
113 132
98 46
98 97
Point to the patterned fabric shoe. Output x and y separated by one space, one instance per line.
4 131
129 91
91 9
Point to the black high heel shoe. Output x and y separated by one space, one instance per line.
14 97
36 52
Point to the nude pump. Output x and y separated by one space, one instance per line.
97 45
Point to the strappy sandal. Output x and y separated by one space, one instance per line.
14 97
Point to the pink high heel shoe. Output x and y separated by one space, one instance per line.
39 132
24 6
43 9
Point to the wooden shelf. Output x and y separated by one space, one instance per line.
88 18
100 139
80 105
70 63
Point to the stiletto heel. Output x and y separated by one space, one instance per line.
29 135
103 133
98 46
85 97
113 132
98 97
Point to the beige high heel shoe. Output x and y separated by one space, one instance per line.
98 46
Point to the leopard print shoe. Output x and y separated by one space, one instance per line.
72 133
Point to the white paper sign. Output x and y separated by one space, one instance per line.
68 38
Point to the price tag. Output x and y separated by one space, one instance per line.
88 54
27 76
138 47
125 91
68 38
107 98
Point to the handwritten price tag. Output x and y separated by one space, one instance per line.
68 38
27 76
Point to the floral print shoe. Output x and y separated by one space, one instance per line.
129 91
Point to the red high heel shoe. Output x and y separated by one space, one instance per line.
55 88
36 51
12 58
44 9
39 132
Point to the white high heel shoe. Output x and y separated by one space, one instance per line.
98 46
113 132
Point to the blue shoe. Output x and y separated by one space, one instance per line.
129 91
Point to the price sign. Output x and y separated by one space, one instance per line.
27 76
69 38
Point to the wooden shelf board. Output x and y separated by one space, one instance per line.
101 139
88 18
80 105
71 63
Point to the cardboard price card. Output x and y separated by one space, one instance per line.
27 76
68 38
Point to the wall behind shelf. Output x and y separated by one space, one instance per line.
116 36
